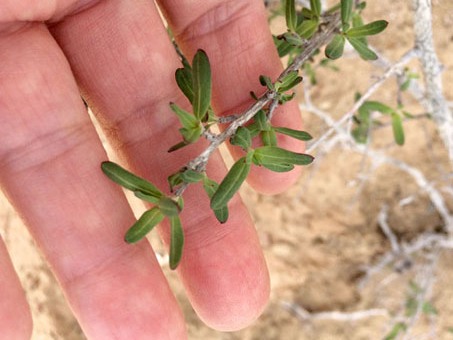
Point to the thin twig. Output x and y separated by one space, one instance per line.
304 315
369 92
383 224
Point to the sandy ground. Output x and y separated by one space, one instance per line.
321 236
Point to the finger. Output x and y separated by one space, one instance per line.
235 34
15 317
130 87
50 161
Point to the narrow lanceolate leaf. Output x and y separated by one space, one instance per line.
276 155
186 119
176 241
183 78
290 15
144 225
346 10
300 135
372 105
177 146
363 50
201 82
192 176
293 39
372 28
261 121
146 197
128 180
288 82
269 138
210 187
335 48
266 81
242 138
230 184
279 167
307 28
315 6
191 135
398 131
357 21
169 207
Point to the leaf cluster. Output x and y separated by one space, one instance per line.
355 32
194 80
253 131
364 121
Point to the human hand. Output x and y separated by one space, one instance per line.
117 53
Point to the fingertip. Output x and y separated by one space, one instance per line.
226 277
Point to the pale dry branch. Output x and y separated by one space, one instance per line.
304 315
432 71
383 224
346 118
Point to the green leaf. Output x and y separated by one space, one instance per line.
128 180
397 329
357 21
269 138
429 309
335 48
371 105
283 47
146 197
183 78
176 241
293 39
300 135
288 82
363 50
315 6
177 146
169 207
242 138
254 129
266 81
307 28
278 167
191 135
174 180
210 187
398 131
346 10
144 225
372 28
290 15
276 155
201 82
186 119
192 176
230 184
261 121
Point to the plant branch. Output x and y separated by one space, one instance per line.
304 315
330 25
432 70
395 68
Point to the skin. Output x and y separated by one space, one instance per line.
118 55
